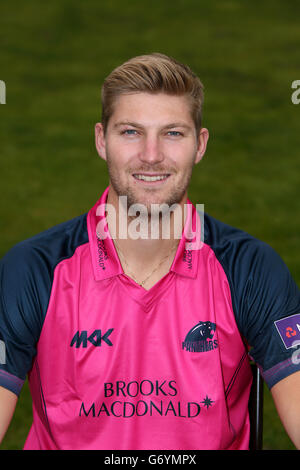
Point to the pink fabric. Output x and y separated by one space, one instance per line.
144 390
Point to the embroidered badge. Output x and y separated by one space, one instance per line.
289 329
201 338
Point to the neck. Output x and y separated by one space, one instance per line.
145 239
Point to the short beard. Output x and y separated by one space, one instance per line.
131 198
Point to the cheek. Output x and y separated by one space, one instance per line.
114 155
184 157
121 154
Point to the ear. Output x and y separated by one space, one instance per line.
202 143
100 140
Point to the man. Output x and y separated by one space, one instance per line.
131 338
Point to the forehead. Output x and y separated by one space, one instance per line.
148 108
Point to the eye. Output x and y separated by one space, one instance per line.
129 132
175 133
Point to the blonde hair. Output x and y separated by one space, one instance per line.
152 73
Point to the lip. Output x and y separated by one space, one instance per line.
151 183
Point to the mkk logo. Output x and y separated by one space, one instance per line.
96 338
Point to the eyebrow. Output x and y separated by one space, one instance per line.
139 126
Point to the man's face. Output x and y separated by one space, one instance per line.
151 147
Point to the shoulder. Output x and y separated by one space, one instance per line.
47 247
242 255
262 288
26 270
225 239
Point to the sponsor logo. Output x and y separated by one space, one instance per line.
141 398
102 253
96 338
289 329
201 338
188 258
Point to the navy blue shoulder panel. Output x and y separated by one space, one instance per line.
262 290
26 276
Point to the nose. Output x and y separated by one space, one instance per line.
151 151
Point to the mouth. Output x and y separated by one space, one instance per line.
151 178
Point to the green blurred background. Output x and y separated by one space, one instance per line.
53 58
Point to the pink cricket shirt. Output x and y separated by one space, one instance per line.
114 366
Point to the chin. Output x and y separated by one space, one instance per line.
163 199
146 197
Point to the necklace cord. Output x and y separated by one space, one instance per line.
143 282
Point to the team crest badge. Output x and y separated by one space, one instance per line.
201 338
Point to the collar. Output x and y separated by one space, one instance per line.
105 260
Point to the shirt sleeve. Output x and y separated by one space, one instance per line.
267 305
21 286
